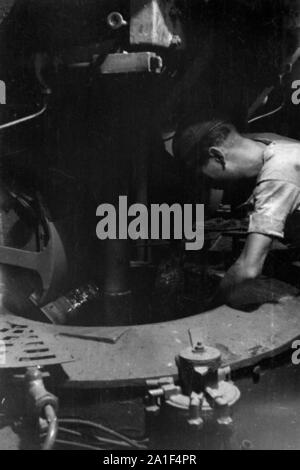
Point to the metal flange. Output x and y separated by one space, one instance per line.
201 355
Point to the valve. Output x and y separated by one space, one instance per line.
41 405
204 394
37 395
195 420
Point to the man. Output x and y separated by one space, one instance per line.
217 150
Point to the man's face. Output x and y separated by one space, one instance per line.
224 165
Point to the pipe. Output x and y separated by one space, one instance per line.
52 428
141 186
100 427
270 113
113 136
24 119
41 404
78 445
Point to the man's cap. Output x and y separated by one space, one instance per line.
187 139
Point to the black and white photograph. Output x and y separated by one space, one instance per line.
149 227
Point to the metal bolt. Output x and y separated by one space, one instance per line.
176 40
156 393
196 424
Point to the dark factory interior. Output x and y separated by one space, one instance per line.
124 332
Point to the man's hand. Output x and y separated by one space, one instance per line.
249 266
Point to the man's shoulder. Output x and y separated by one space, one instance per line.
281 162
271 137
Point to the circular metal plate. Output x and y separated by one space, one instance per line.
204 357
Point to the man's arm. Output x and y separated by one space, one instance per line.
249 266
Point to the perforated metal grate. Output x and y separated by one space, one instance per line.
24 346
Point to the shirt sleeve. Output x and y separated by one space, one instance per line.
274 201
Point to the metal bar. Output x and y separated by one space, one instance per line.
52 429
140 62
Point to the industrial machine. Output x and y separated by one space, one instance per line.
90 84
89 67
124 40
199 405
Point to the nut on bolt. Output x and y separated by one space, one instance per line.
153 410
176 41
199 347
